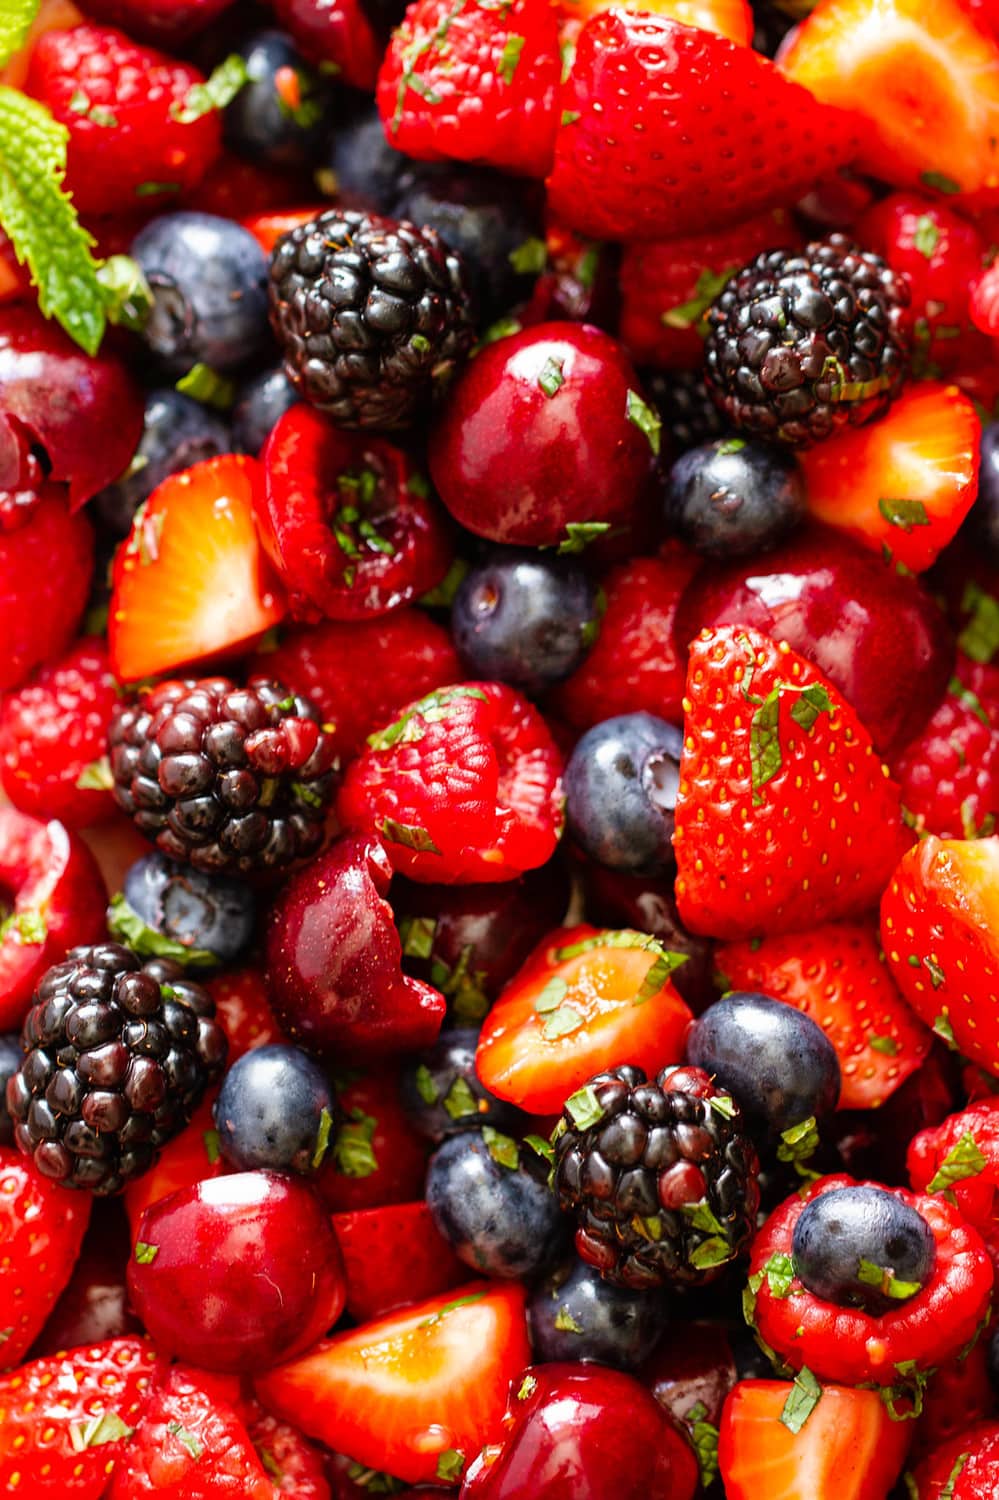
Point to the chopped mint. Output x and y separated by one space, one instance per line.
804 1397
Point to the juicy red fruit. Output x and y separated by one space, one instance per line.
46 567
41 1231
346 520
464 787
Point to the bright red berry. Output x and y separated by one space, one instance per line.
664 124
949 775
376 1158
474 84
964 1468
379 1278
41 1231
46 566
128 113
243 1010
961 1157
53 733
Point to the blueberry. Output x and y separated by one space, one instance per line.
282 116
775 1061
207 919
576 1314
525 619
732 497
493 221
208 277
984 517
261 401
275 1111
853 1244
620 787
177 433
496 1217
441 1092
367 169
11 1057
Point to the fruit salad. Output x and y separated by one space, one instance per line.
499 749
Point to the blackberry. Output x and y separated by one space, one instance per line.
118 1055
801 344
660 1176
372 315
689 415
224 778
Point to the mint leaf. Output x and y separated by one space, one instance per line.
551 380
352 1149
551 996
764 743
145 1254
16 17
579 534
213 1147
658 974
779 1271
96 777
964 1160
541 1147
529 258
127 927
128 298
641 415
887 1045
322 1139
527 1388
584 1108
968 700
904 514
687 314
947 1493
566 1323
805 1395
218 90
417 936
980 637
502 1148
711 1252
812 701
510 57
409 835
206 385
562 1022
459 1101
103 1427
41 222
187 1440
926 237
29 926
425 1086
450 1465
939 182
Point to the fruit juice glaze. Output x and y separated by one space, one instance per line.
499 749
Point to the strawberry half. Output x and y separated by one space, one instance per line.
848 1448
903 485
940 930
41 1231
418 1393
192 580
666 125
836 975
728 18
585 1000
924 78
785 816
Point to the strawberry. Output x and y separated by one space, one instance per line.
360 674
964 1468
192 579
417 1393
784 814
959 1393
836 975
129 114
473 84
191 1444
294 1466
924 80
584 1001
464 786
41 1231
268 226
949 775
903 485
941 254
379 1278
895 1349
729 18
53 733
46 566
667 286
375 1157
654 132
940 930
638 661
190 1157
961 1157
243 1010
67 1419
848 1448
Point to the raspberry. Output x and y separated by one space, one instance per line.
53 733
123 107
950 775
45 572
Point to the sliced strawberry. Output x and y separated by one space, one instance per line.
41 1231
940 930
667 126
192 580
67 1419
728 18
474 84
418 1393
267 228
243 1010
924 79
836 975
376 1157
394 1255
785 816
585 1000
190 1157
848 1448
903 485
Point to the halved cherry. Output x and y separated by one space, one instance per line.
584 1001
347 520
418 1393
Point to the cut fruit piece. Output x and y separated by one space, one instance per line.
192 580
924 78
379 1278
418 1393
903 485
728 18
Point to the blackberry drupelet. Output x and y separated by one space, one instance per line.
688 414
225 778
118 1055
372 315
801 344
660 1176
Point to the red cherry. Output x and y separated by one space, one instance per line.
545 428
579 1432
237 1273
879 638
335 31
